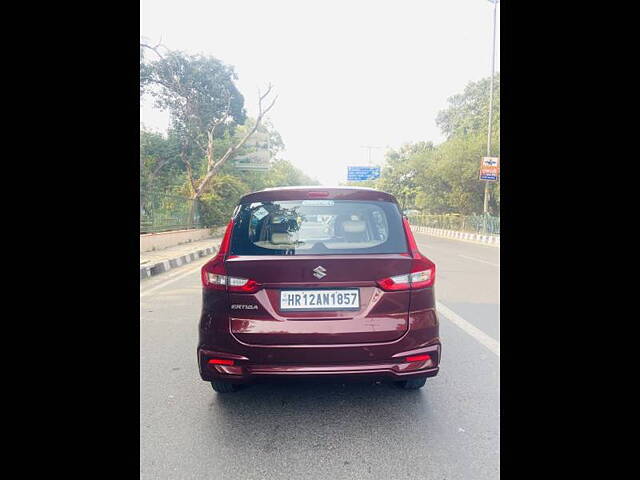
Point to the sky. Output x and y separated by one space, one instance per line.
347 73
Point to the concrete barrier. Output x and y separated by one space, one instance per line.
166 265
157 241
493 240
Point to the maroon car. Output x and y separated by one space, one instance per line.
313 282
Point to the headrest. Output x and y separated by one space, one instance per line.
353 226
283 238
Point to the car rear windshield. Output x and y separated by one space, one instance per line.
317 227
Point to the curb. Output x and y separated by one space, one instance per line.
491 240
166 265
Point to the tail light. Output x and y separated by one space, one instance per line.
214 274
413 246
214 277
221 361
423 270
237 284
418 358
423 275
226 239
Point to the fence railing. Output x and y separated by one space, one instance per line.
161 212
463 223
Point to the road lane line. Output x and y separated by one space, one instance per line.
168 282
425 244
475 332
479 260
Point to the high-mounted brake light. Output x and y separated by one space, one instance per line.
317 194
423 270
214 274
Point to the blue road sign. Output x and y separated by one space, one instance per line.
356 174
493 178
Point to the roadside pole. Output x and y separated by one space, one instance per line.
493 59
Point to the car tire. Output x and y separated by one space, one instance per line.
413 384
221 386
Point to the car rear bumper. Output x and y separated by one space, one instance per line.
245 370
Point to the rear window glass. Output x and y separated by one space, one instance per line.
317 227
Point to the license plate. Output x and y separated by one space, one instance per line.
343 299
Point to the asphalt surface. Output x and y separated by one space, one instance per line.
447 430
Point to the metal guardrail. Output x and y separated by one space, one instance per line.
462 223
161 212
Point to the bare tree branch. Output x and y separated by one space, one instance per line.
262 97
161 164
201 146
225 114
213 168
187 164
154 48
211 133
270 105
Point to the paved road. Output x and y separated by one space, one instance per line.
448 430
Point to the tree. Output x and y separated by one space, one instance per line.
283 173
160 164
444 178
205 106
223 192
468 112
220 198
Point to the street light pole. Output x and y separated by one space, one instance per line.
493 60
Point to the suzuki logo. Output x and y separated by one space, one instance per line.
319 271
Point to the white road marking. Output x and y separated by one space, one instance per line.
489 342
428 246
168 282
479 260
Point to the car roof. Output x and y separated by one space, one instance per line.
330 193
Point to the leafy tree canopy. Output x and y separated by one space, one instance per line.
197 90
468 112
444 178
